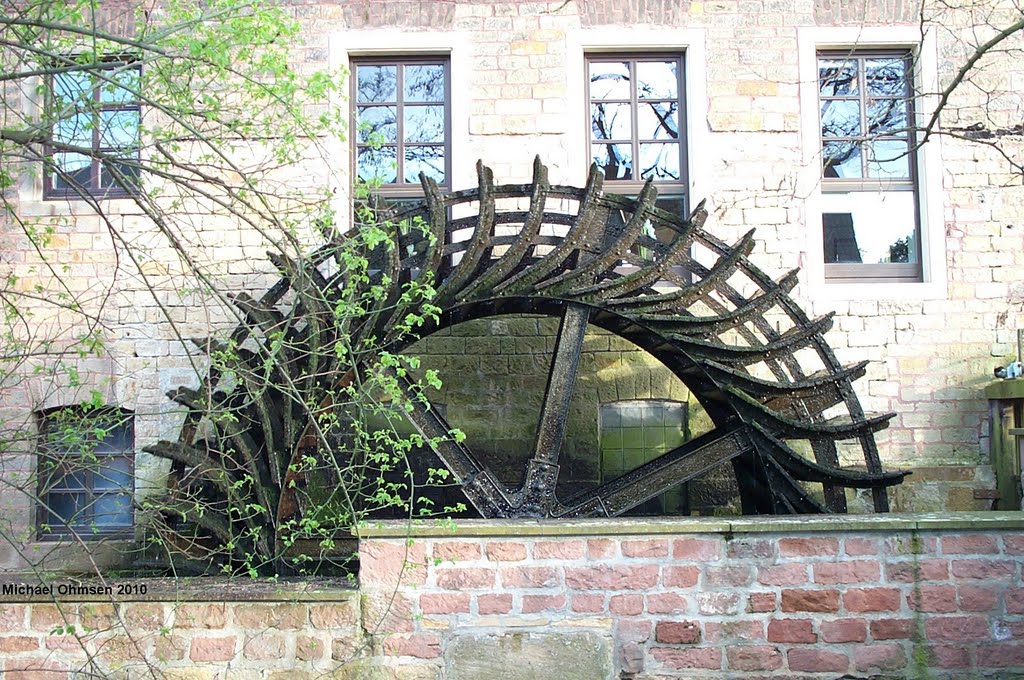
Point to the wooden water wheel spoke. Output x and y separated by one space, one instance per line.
678 466
486 494
538 492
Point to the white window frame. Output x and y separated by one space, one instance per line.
344 46
811 42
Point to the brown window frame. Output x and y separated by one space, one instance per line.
82 526
894 272
667 189
98 153
399 189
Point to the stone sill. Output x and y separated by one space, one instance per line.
191 589
645 526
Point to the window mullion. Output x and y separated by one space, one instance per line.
865 148
89 496
634 115
400 124
97 117
681 123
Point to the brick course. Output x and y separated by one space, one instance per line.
696 614
881 622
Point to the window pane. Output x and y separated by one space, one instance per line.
889 159
659 161
74 131
377 83
65 508
377 125
658 120
870 227
675 205
609 80
113 473
120 91
426 159
377 165
424 83
610 121
841 160
886 77
616 160
71 89
635 433
119 129
424 124
886 116
124 175
657 79
840 118
113 510
662 234
75 170
116 432
837 77
66 477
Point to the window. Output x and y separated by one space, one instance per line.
85 472
637 125
636 432
403 124
95 118
869 187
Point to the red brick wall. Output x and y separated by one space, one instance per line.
923 603
888 596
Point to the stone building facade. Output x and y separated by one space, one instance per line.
522 79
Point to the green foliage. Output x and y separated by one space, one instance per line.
352 452
298 428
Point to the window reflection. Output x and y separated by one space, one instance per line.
95 132
86 472
376 83
615 160
886 77
635 109
424 83
837 77
876 228
611 121
401 117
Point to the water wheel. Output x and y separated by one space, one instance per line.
759 366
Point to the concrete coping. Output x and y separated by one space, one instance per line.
645 526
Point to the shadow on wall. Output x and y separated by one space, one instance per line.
627 409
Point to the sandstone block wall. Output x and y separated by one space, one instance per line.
519 77
182 635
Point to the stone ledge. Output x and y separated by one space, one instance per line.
192 589
645 526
